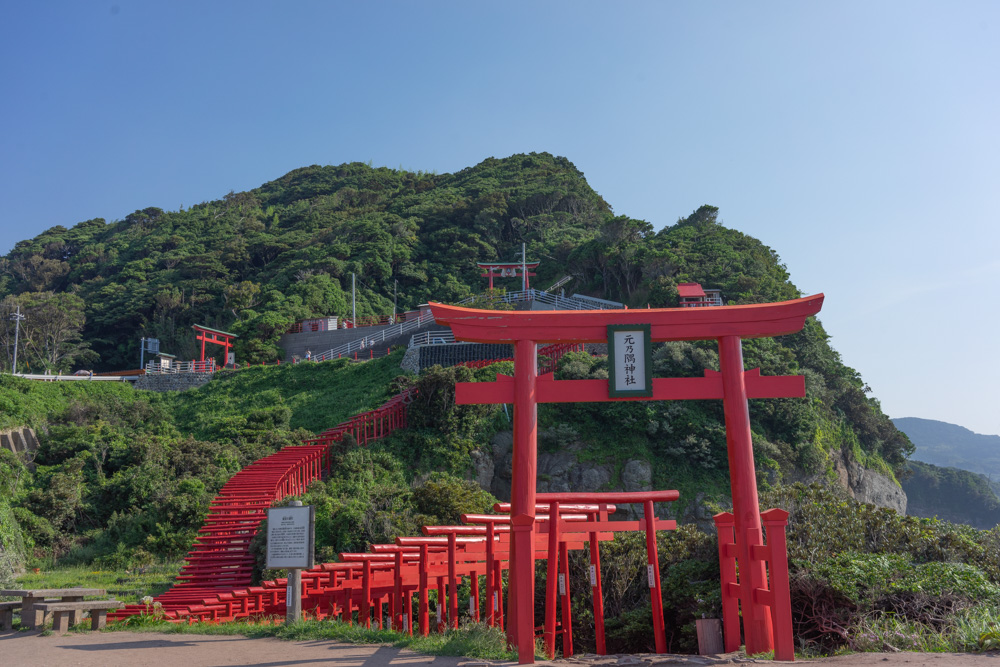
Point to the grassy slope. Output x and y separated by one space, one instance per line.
33 403
318 395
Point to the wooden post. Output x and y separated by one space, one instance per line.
521 627
746 508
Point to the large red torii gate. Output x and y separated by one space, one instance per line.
726 324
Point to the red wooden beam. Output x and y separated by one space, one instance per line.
591 326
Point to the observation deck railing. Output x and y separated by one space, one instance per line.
391 331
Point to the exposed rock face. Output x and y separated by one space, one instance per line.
868 486
557 471
563 471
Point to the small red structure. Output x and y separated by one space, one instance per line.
693 295
508 270
223 338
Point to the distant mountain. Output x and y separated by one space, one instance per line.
950 494
944 444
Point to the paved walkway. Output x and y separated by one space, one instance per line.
133 649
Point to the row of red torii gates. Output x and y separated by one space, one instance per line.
629 334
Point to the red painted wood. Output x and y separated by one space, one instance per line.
743 479
521 622
590 326
664 389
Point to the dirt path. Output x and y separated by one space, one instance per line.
142 649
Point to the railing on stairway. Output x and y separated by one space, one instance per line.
390 331
559 283
445 337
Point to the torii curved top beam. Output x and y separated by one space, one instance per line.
591 326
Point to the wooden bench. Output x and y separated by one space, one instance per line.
7 610
62 612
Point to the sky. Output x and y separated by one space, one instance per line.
860 140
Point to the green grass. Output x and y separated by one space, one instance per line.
474 640
128 587
319 395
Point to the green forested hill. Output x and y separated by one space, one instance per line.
255 261
252 262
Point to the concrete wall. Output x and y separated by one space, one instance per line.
19 440
178 382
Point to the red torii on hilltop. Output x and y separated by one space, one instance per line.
223 338
508 270
726 324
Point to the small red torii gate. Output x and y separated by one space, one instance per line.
726 324
223 338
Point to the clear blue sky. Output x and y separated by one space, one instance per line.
860 140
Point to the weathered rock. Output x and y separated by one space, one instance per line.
637 475
482 465
868 486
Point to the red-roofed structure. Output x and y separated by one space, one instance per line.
693 295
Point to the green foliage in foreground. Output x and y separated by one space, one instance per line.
861 573
472 640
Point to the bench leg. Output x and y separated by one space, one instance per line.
31 618
77 617
7 619
98 618
60 621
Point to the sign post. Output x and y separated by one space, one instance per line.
290 545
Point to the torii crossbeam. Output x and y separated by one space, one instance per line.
726 324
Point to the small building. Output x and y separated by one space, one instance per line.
693 295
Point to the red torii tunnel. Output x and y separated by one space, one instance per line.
726 324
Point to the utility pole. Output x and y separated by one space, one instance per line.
17 317
395 290
354 305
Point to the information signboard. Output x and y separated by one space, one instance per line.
290 537
630 367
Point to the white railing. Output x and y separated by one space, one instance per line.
390 331
83 378
432 338
177 367
575 302
559 283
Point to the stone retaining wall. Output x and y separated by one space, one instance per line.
19 440
173 382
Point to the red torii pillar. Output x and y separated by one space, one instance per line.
726 324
